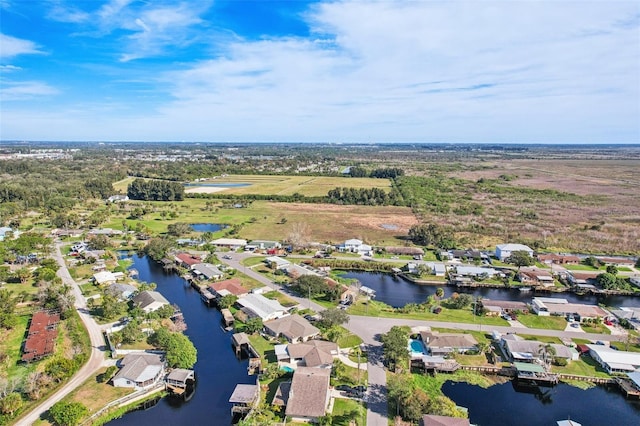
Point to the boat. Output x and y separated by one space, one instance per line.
525 289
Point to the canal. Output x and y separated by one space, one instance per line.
217 370
397 291
507 404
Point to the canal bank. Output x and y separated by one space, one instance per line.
218 369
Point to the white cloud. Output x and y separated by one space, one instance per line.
12 46
22 90
9 68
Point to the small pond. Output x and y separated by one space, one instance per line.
207 227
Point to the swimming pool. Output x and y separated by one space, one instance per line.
287 369
416 347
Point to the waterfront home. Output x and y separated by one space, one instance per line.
467 255
230 243
518 349
546 306
433 420
104 278
309 394
446 343
64 233
557 259
623 262
226 287
139 371
262 245
244 398
579 278
615 361
187 260
535 276
206 271
256 305
188 242
295 271
314 353
503 251
476 272
356 246
504 306
276 262
122 291
294 328
149 301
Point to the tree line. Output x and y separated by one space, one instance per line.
155 190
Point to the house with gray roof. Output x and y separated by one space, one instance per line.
139 371
518 349
256 305
309 394
150 301
314 353
122 291
206 271
294 328
445 343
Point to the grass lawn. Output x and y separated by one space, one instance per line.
263 346
377 309
547 323
96 395
595 328
479 336
17 288
349 341
253 261
544 339
579 267
89 289
283 299
10 344
346 410
585 366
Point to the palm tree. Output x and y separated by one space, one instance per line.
547 352
439 292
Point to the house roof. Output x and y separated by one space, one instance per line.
206 269
536 273
188 259
233 286
309 391
180 374
513 247
148 297
140 367
229 242
433 420
531 349
619 359
244 394
475 270
260 305
122 288
292 327
314 352
448 340
104 277
282 394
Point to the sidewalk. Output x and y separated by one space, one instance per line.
343 355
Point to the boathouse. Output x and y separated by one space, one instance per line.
244 398
227 317
178 380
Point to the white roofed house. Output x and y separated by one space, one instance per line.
356 246
139 371
206 271
232 243
104 278
505 250
256 305
615 361
545 306
276 262
150 301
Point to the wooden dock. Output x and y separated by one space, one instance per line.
628 388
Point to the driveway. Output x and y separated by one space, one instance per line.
98 347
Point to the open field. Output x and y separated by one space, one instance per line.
309 186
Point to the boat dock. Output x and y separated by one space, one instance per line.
179 379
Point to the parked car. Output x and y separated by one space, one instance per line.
345 388
575 325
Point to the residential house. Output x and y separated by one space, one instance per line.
104 278
276 262
546 306
256 305
122 291
105 231
617 261
139 371
557 259
536 277
520 350
467 255
230 243
206 271
434 420
118 198
503 251
226 287
295 271
263 245
635 280
504 306
149 301
437 269
581 278
615 361
475 272
314 353
309 394
187 260
188 242
446 343
356 246
294 328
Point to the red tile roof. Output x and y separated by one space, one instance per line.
188 259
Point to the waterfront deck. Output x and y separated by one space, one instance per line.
628 388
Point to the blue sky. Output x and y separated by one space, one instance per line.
339 71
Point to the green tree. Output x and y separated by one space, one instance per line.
227 301
7 308
157 248
68 413
607 281
432 235
335 333
612 269
520 258
180 352
179 228
395 346
111 307
11 403
439 292
311 285
332 317
252 325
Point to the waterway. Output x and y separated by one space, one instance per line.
506 404
207 227
217 370
397 291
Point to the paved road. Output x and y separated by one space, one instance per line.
98 347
